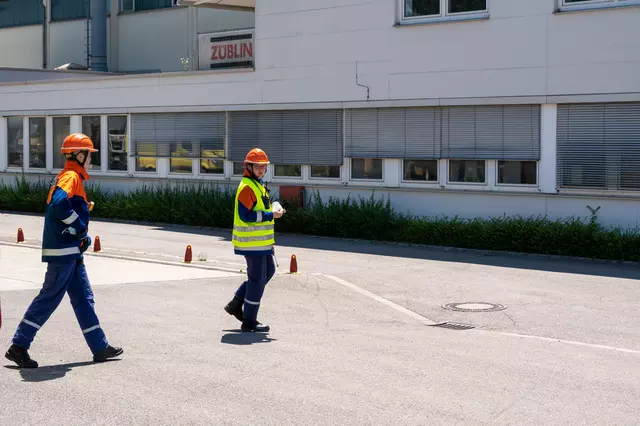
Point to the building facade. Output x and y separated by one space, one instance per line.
476 108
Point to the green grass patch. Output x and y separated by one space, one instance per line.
207 204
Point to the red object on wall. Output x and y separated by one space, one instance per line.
293 194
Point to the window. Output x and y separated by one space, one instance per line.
420 170
117 139
441 8
37 143
63 10
366 168
15 152
467 171
61 129
283 170
183 163
14 13
238 168
517 172
326 172
597 146
91 128
145 158
138 5
212 161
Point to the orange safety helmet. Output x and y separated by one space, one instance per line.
256 156
77 142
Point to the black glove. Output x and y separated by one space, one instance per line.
85 243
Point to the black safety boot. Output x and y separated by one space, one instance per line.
254 327
109 352
20 356
235 307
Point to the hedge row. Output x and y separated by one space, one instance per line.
208 205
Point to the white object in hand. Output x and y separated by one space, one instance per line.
277 207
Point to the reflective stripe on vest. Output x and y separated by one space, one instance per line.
256 236
60 252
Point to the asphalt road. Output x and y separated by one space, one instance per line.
352 340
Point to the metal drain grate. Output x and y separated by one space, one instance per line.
453 326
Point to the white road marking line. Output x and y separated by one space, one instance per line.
426 321
382 300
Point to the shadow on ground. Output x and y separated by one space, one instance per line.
237 337
49 372
443 254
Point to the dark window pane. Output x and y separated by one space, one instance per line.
238 168
117 140
467 171
14 13
420 170
462 6
517 172
421 8
37 143
91 128
366 168
288 170
61 129
325 172
15 142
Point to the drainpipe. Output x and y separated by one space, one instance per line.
99 35
45 24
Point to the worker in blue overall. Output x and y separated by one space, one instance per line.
253 238
64 241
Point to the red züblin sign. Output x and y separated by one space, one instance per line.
233 49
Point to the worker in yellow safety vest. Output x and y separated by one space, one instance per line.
253 238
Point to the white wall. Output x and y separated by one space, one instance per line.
153 40
157 40
68 43
522 49
212 20
21 47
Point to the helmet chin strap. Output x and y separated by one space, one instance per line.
74 157
250 168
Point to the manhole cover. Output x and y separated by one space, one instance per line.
474 307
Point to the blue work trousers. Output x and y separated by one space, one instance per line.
260 270
63 277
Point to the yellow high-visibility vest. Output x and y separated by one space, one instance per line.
253 236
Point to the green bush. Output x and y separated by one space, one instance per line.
206 204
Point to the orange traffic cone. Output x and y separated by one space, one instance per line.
293 265
20 235
96 245
188 255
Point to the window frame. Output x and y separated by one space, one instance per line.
134 9
131 166
56 153
444 14
420 183
325 179
28 167
517 185
381 181
449 182
564 6
288 178
9 167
